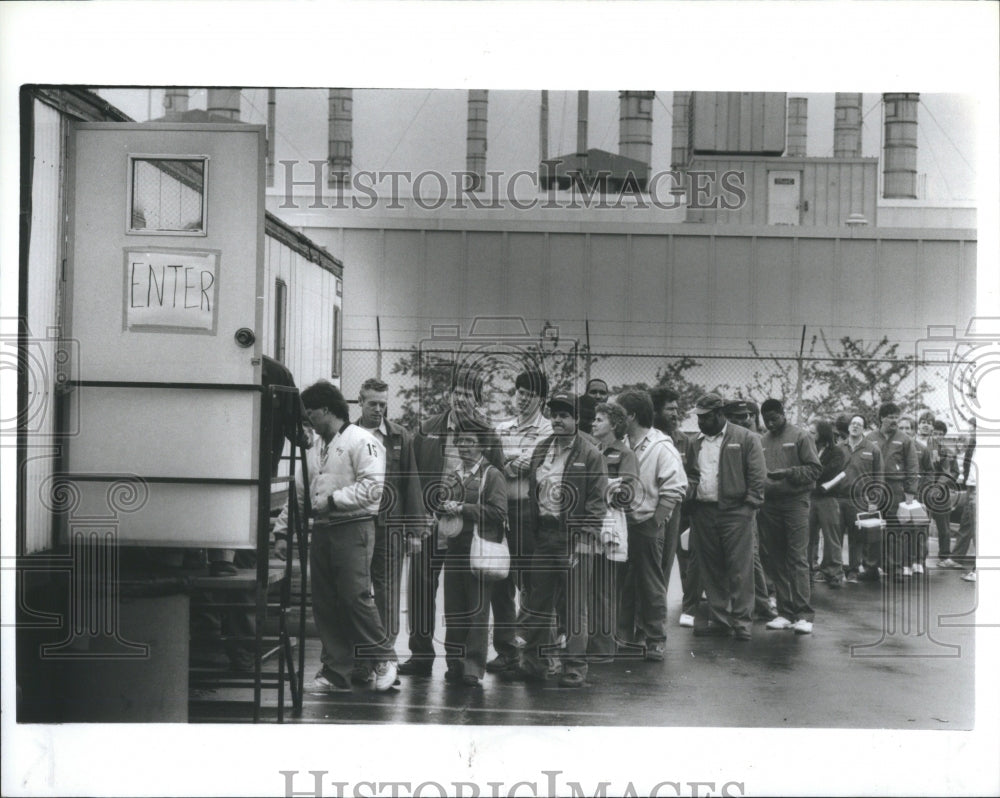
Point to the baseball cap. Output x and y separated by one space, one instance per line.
709 403
564 399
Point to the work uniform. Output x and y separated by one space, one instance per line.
901 476
567 484
862 478
726 475
783 521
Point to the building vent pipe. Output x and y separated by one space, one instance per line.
341 135
224 102
475 140
847 125
899 160
680 152
175 102
798 111
635 125
543 128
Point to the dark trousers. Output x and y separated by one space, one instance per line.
555 572
642 608
387 572
602 606
856 538
343 607
466 616
503 594
687 564
761 587
942 520
824 518
784 543
725 555
897 542
421 598
966 537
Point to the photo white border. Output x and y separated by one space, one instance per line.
781 46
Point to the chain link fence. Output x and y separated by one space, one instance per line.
810 387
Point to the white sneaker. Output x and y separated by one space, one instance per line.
969 577
918 569
385 676
780 622
686 620
948 562
323 685
907 571
802 627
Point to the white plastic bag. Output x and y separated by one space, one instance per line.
490 559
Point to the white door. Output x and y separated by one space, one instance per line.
161 296
784 197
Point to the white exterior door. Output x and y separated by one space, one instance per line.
162 296
784 197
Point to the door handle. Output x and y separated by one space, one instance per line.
245 337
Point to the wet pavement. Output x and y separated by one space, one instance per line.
881 656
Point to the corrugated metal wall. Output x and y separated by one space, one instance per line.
833 189
310 315
692 290
43 282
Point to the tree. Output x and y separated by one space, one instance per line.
673 375
858 378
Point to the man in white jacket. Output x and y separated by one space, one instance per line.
346 473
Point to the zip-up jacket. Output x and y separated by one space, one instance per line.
586 479
793 450
353 473
899 459
862 467
429 444
742 472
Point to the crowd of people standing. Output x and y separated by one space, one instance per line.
594 498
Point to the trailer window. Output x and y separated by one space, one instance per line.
167 195
335 366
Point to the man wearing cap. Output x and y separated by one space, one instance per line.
738 411
726 483
792 469
642 616
436 452
567 482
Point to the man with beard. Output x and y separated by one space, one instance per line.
726 483
436 452
666 418
738 411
